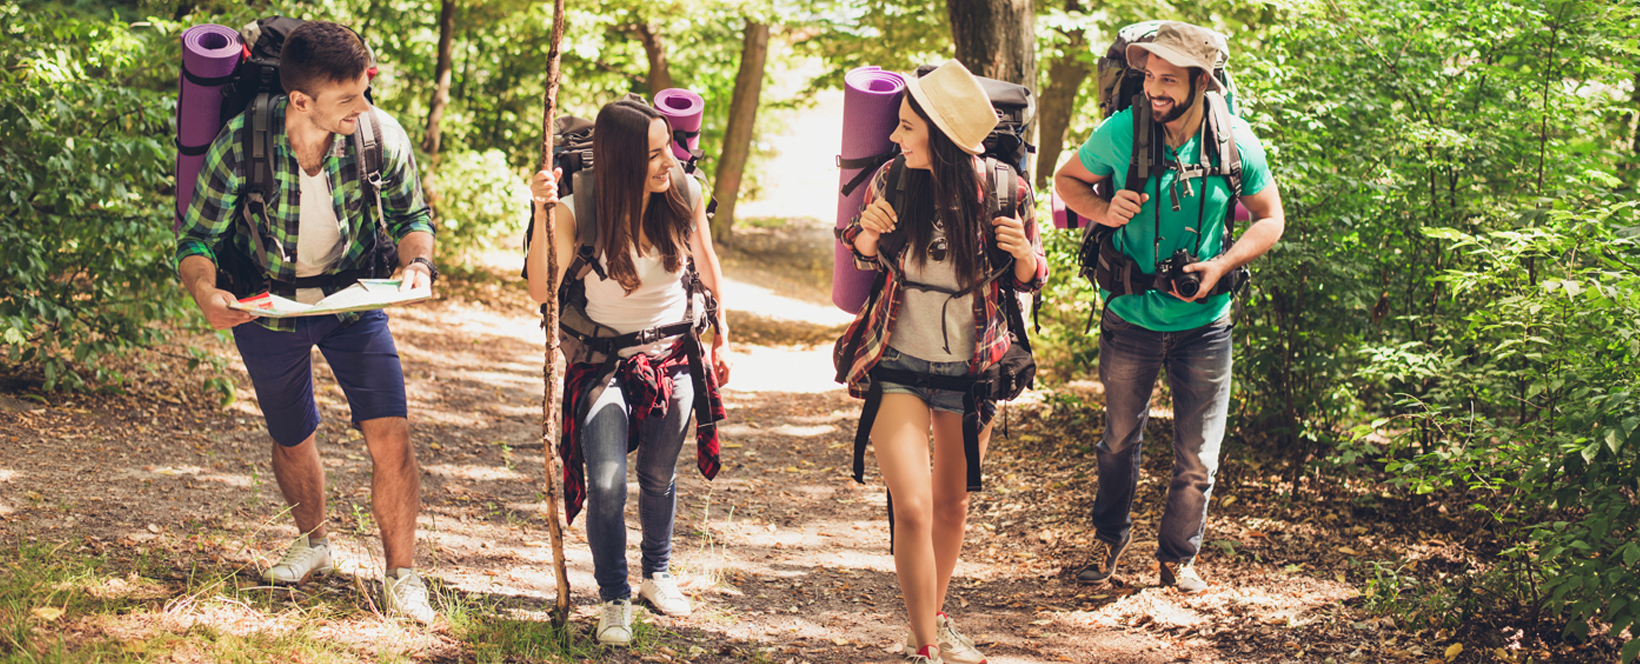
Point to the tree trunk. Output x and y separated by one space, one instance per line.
441 90
1057 102
654 47
996 39
737 136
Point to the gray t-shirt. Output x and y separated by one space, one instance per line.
917 324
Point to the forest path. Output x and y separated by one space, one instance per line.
785 556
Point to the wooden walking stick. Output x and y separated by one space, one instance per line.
553 381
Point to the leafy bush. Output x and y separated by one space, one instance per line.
480 199
1558 471
85 215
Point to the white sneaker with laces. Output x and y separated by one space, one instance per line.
302 560
615 623
662 592
404 594
955 648
924 655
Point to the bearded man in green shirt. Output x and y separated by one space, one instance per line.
1142 332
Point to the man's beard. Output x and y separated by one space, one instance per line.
1178 109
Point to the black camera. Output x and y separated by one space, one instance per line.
1171 271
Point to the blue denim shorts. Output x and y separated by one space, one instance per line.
949 401
362 356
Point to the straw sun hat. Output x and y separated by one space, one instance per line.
956 103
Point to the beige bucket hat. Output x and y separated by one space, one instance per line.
956 103
1184 45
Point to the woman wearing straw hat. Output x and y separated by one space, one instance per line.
956 329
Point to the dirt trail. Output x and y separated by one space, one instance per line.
783 553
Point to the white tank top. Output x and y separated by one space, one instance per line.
659 299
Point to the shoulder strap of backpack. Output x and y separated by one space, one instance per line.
258 172
1223 143
892 243
367 141
1147 155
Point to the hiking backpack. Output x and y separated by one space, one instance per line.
251 91
583 339
1121 87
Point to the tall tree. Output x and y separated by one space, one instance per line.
654 48
1066 73
737 136
996 38
441 76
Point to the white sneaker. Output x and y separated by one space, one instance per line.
301 561
924 655
662 592
955 648
615 624
404 594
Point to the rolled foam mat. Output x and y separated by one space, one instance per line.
684 110
871 109
210 54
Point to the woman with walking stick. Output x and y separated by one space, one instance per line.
633 307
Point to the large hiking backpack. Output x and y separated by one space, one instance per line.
1121 87
1015 107
252 91
584 340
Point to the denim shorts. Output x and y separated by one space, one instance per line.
949 401
362 356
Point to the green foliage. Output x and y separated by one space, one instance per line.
485 200
85 171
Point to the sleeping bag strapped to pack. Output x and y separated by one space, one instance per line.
1121 87
251 90
1015 107
582 339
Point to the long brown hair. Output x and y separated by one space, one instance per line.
949 191
620 153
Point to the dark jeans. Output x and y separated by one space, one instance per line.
604 441
1198 371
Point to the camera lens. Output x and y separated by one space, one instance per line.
1187 284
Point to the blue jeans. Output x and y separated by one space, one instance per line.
1198 371
603 443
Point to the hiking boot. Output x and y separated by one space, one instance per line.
662 593
955 648
615 623
923 655
404 594
1184 576
302 560
1104 560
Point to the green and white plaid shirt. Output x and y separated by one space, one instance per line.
214 210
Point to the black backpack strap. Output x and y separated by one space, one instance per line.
1147 156
867 166
258 174
367 140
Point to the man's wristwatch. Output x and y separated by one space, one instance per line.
432 270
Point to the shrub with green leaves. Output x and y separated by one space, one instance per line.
480 199
85 176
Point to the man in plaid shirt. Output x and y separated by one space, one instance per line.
319 233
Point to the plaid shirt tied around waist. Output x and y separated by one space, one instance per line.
214 210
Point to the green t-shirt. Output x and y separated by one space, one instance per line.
1107 153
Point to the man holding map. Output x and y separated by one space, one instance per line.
344 192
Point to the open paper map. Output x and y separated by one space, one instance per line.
363 296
